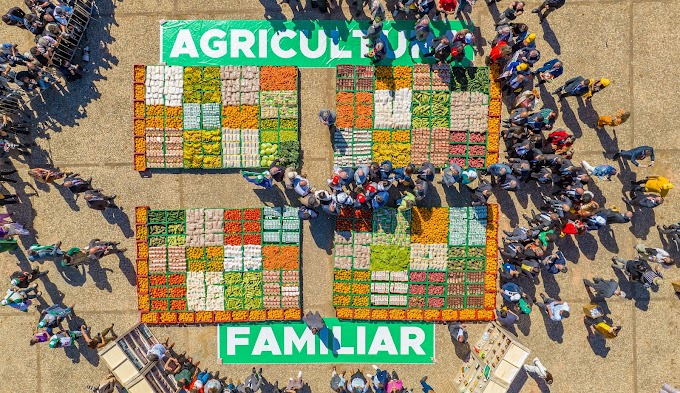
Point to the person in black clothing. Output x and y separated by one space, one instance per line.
277 171
482 193
512 251
76 184
604 289
615 217
98 201
547 7
673 231
649 201
634 267
530 268
441 49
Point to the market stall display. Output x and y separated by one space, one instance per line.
433 264
495 360
218 265
215 117
422 113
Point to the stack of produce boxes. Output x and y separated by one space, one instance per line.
422 113
427 264
354 123
218 265
215 117
494 115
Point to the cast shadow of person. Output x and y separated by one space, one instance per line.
568 248
80 348
550 284
607 239
507 206
329 340
597 343
120 218
322 229
588 245
68 198
462 350
517 385
633 290
99 276
570 120
550 37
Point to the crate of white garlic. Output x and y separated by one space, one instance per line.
215 117
217 265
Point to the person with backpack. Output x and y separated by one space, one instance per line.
21 280
20 298
53 316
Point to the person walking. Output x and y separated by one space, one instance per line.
327 117
23 279
638 153
556 309
338 382
379 380
76 184
64 338
40 253
378 53
107 385
601 328
580 87
422 29
45 176
306 214
604 289
549 71
262 179
20 298
314 322
458 332
506 317
648 201
655 255
548 7
617 119
100 340
426 387
441 49
98 201
540 371
53 316
673 231
656 184
301 185
372 34
406 202
639 271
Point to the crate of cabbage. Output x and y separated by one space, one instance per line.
216 117
218 265
427 264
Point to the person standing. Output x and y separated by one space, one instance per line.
98 201
506 317
555 263
314 322
338 382
458 332
422 29
372 35
262 179
540 371
556 309
673 231
100 340
648 201
547 8
656 184
76 184
426 388
378 53
327 117
107 385
441 48
603 329
617 119
604 289
656 255
638 153
53 316
20 298
549 71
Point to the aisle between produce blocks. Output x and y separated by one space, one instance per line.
218 265
215 117
432 264
415 114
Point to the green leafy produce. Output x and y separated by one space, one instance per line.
389 258
176 241
175 229
254 303
290 151
233 278
176 215
480 81
269 124
156 229
156 241
288 135
441 97
192 75
233 291
442 122
289 124
156 216
269 136
420 122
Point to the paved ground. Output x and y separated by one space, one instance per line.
87 129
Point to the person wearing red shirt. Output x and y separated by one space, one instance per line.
574 228
446 8
500 51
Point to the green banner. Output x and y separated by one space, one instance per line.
342 342
311 44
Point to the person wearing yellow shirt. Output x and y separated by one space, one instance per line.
605 330
656 184
619 118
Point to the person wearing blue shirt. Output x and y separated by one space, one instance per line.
385 169
511 292
576 86
602 172
549 71
426 171
452 174
498 170
380 200
555 263
556 309
638 153
403 175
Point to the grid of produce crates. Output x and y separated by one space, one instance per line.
215 117
218 265
413 114
494 115
431 264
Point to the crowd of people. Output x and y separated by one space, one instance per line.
32 69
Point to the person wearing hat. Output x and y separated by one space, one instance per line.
289 177
529 42
595 86
342 199
604 289
262 179
362 202
305 213
373 33
327 117
506 317
323 197
547 7
422 29
371 189
334 183
53 316
656 184
555 263
529 55
361 175
380 200
64 338
378 52
549 71
556 309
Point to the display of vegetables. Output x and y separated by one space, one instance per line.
206 273
229 99
412 262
